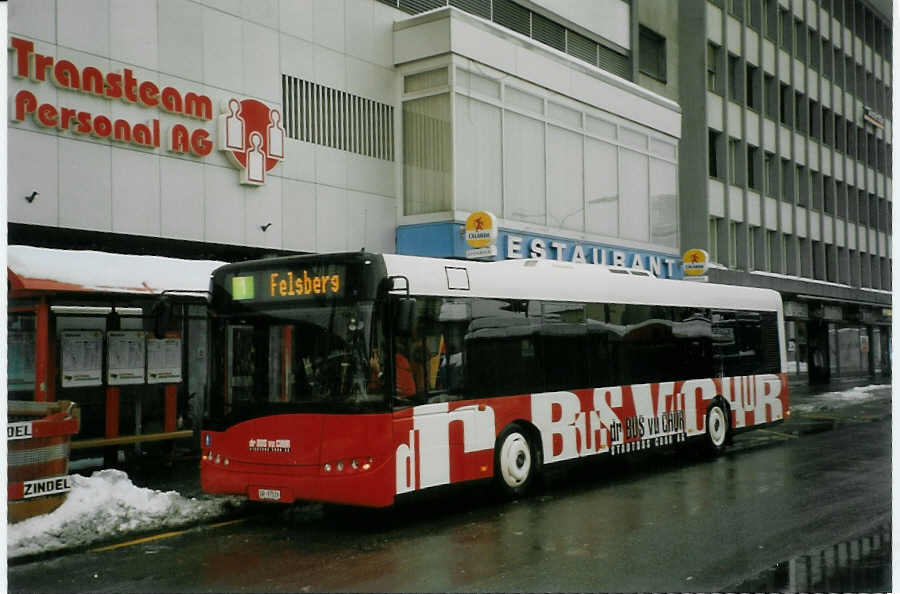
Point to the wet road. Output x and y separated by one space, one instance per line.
656 524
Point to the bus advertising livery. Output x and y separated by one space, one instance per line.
355 378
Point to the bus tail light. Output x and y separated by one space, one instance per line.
345 466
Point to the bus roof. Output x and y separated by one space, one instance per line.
551 280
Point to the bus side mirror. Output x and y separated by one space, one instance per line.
404 316
162 315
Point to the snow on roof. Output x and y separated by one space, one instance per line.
33 268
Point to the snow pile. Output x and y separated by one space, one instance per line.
105 506
831 400
107 271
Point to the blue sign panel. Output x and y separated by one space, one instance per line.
446 240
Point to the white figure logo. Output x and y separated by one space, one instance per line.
234 127
255 171
276 136
252 136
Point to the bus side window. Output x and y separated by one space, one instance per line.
447 363
500 348
564 346
602 370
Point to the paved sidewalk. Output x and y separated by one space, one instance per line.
825 407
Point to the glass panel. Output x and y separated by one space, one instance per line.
635 196
663 203
427 155
20 336
524 169
602 188
565 171
478 183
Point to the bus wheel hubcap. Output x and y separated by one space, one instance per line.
717 426
515 459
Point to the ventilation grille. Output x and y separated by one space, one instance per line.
516 17
614 62
771 348
512 16
337 119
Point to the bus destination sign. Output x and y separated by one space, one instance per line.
278 285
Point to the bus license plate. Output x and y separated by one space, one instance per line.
271 494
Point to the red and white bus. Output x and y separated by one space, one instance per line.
355 378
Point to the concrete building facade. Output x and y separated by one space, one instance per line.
785 174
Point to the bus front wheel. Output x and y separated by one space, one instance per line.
717 427
515 461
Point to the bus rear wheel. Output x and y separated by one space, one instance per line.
515 461
717 428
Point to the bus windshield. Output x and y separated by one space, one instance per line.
318 358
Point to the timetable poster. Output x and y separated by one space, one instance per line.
20 365
81 358
126 357
163 361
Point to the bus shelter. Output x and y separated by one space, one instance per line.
81 327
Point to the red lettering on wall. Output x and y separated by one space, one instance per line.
201 145
149 94
23 50
25 103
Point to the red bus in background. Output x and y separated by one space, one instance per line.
355 378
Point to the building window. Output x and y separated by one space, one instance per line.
713 239
754 9
786 98
733 176
752 167
783 244
713 80
714 140
751 248
753 95
736 8
873 213
787 184
805 258
771 173
828 194
863 210
800 40
800 121
838 63
771 246
785 23
827 127
827 59
815 121
734 78
801 187
816 264
839 131
814 49
652 50
840 199
732 244
770 15
771 91
815 187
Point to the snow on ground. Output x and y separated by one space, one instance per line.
104 506
832 400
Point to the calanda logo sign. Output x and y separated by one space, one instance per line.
255 142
